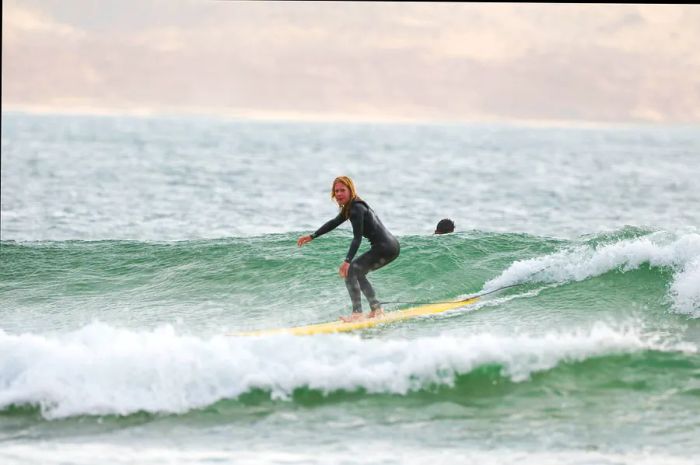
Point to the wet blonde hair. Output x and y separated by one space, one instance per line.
345 211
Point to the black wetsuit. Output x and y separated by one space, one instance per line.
385 248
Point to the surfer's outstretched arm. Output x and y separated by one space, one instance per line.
329 226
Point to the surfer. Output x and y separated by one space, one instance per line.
384 246
445 226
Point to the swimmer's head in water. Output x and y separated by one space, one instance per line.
445 226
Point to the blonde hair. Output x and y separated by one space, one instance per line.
345 211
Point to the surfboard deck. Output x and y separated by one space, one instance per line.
341 327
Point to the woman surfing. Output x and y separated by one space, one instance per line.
365 223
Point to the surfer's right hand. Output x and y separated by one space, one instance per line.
303 240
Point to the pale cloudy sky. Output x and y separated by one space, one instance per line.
355 60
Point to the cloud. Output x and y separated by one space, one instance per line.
19 20
423 61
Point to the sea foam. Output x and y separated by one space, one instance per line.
680 253
100 369
377 451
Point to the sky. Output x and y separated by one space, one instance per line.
598 63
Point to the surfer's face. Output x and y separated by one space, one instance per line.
342 193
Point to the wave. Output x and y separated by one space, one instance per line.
103 370
267 262
679 253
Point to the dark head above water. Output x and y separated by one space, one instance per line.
445 226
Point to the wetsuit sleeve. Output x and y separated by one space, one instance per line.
329 226
357 218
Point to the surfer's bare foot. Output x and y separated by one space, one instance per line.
353 317
378 313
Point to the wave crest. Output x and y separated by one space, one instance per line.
102 370
681 253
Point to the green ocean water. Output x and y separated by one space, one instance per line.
121 341
115 307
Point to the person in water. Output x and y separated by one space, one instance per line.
365 223
445 226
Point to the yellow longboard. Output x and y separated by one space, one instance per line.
341 327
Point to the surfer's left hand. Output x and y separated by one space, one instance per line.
343 270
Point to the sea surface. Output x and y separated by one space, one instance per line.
133 249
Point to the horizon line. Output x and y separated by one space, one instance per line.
316 117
